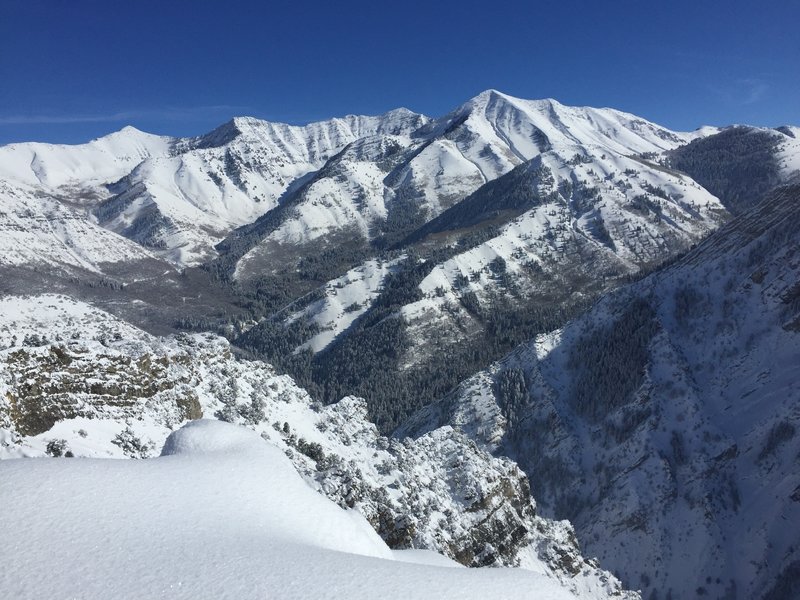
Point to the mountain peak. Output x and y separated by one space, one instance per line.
402 112
225 133
129 132
492 98
487 96
246 122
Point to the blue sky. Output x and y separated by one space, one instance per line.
74 70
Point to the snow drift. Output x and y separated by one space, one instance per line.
220 514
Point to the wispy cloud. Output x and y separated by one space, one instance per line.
755 89
165 114
741 91
47 119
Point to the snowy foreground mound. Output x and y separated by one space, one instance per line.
220 514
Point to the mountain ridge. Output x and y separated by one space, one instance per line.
398 258
654 419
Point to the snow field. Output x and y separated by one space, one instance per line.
221 514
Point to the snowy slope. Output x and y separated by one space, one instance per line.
76 381
382 185
345 300
37 229
220 514
789 154
597 220
526 202
179 197
47 192
88 165
663 422
230 177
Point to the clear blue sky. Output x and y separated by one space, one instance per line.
74 70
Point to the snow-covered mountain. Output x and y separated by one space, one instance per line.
179 197
501 203
740 164
663 421
360 181
46 192
381 261
40 230
384 186
555 205
77 382
75 168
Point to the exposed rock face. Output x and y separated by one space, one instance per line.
57 382
439 491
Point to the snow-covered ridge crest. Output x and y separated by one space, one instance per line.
314 136
110 157
181 197
99 161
